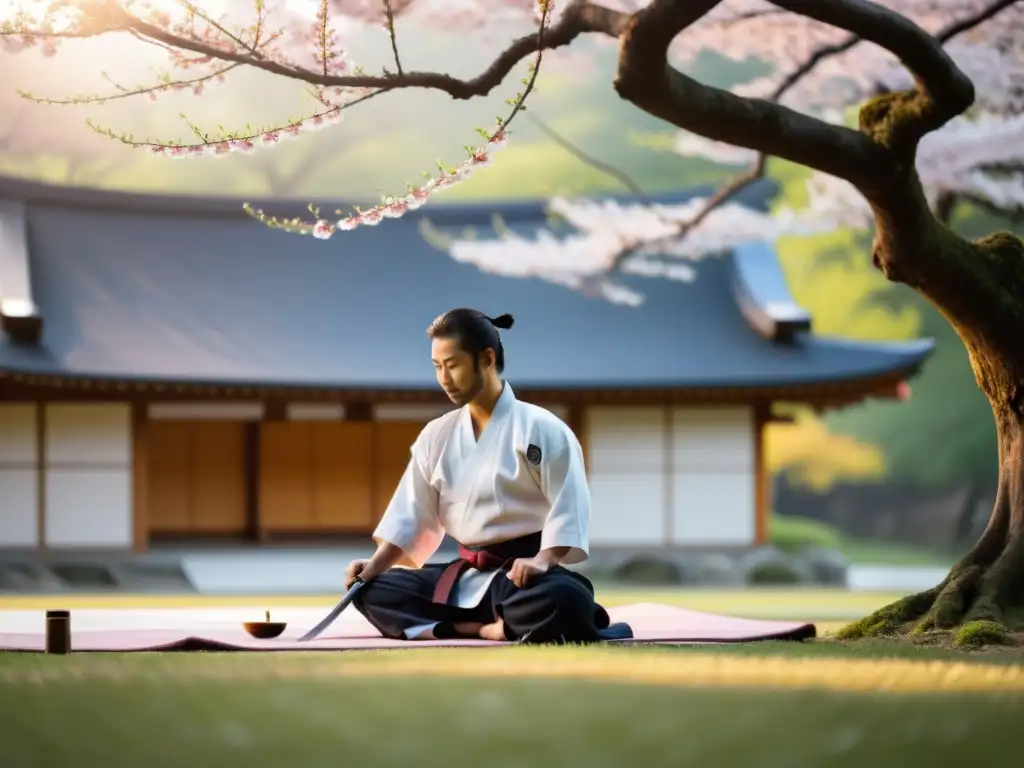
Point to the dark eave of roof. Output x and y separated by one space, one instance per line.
20 318
762 295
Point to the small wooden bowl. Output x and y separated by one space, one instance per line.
264 630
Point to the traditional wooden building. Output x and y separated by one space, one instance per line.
172 370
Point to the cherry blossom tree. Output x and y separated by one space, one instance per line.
931 99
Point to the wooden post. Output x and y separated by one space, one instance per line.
762 480
668 477
140 478
41 474
252 435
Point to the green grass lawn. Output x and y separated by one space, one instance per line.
823 703
777 704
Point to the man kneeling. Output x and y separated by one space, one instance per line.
506 480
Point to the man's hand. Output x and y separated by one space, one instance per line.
386 556
357 568
526 569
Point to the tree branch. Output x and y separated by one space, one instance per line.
973 20
599 165
757 171
1002 167
285 182
945 206
720 198
936 73
646 80
943 90
818 56
727 193
1015 214
579 18
944 35
758 14
390 14
127 93
947 202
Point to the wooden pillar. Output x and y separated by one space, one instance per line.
41 474
358 411
762 480
140 478
275 410
251 461
363 412
668 478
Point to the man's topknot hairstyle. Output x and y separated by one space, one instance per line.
473 331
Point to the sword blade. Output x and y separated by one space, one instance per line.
335 612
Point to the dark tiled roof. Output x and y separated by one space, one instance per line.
151 288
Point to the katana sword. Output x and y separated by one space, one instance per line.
335 612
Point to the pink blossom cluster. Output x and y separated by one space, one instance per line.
605 229
992 54
393 208
251 143
981 157
263 31
32 24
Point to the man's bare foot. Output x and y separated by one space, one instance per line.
495 631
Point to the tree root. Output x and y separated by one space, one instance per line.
978 634
892 620
972 608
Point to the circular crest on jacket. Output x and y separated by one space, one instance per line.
533 454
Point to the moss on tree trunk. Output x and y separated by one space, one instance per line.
979 287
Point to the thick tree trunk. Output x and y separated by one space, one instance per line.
981 601
979 287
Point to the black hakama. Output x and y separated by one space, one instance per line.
556 607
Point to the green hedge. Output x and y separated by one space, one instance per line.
792 534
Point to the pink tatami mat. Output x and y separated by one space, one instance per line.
651 623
